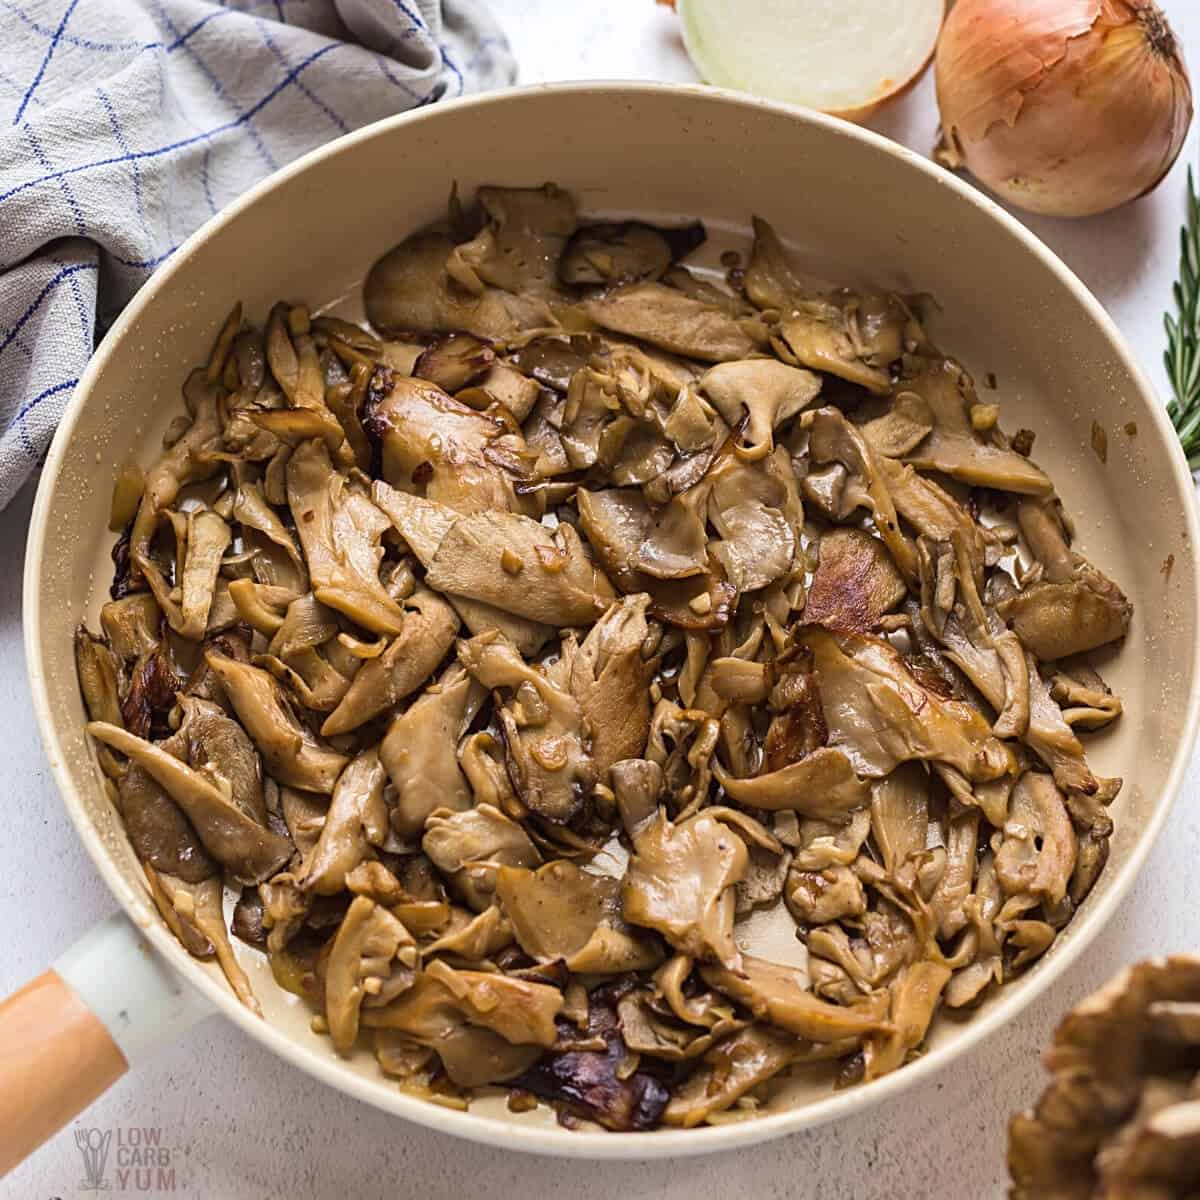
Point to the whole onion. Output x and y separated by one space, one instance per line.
1064 107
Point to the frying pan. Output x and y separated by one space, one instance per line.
856 207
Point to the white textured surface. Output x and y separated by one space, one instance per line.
240 1125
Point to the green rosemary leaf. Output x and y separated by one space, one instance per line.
1182 355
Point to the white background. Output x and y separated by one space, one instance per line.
244 1126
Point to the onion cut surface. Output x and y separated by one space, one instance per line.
845 57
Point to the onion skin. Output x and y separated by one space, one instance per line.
1062 107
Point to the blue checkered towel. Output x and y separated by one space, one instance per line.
125 124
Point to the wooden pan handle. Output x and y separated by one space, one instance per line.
108 1004
56 1057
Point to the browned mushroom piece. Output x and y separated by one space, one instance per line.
546 744
536 664
1075 607
665 317
373 958
440 448
602 1083
954 447
518 249
423 524
729 1070
229 832
780 996
766 392
470 847
293 753
879 715
561 912
357 820
855 582
845 334
610 678
425 637
420 750
515 564
486 1027
193 911
680 883
616 252
410 289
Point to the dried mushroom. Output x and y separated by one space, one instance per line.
1121 1114
521 658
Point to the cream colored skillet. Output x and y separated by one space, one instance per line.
851 203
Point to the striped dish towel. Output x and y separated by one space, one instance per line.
125 124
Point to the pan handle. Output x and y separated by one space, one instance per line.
106 1005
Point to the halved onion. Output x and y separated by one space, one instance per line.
845 57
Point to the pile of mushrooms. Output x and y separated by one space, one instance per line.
1120 1118
509 656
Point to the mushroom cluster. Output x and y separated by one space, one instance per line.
512 655
1120 1119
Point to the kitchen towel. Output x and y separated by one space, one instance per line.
126 124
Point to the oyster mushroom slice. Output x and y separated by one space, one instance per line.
420 750
841 333
98 669
189 460
484 835
233 838
680 882
729 1071
444 1003
340 530
518 249
218 746
160 834
551 767
821 784
357 820
131 625
1038 853
371 951
437 446
855 583
615 252
914 997
425 638
409 289
198 906
562 912
207 538
900 815
765 390
610 679
667 318
879 715
1056 620
201 539
515 564
780 996
953 446
293 754
423 524
617 522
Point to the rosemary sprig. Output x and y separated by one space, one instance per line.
1182 357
